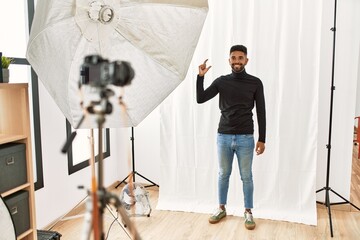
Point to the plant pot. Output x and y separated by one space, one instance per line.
6 75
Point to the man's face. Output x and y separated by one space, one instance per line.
238 61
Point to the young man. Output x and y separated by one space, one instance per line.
238 93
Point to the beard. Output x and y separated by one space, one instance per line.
237 67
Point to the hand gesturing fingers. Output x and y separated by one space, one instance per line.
203 69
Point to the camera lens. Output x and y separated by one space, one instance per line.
99 72
123 73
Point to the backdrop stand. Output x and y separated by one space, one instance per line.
134 172
327 189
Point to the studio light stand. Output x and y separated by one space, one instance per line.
328 189
134 172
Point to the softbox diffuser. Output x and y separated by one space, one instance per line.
157 37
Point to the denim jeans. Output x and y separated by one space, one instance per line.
243 146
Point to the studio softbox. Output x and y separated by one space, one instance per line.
157 37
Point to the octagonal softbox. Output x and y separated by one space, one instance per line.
157 37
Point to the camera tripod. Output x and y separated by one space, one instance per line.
98 194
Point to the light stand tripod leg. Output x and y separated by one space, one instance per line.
346 201
153 184
124 180
329 211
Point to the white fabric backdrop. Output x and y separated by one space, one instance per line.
285 40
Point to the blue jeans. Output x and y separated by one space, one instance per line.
243 146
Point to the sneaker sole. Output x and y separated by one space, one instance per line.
216 221
250 227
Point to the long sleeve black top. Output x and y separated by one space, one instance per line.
238 92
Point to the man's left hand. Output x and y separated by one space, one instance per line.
260 148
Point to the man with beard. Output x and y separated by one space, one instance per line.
238 93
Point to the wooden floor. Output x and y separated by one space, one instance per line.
170 225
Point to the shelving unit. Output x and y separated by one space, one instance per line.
15 128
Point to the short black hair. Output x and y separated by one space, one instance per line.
240 48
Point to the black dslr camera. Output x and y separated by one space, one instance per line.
99 72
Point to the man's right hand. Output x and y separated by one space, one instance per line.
203 69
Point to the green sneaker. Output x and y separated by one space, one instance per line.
249 221
217 216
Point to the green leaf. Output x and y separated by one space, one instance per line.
5 62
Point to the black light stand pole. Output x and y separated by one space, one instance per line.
1 75
134 172
328 146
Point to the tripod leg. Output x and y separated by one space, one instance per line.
128 223
114 200
322 189
327 201
153 184
122 225
123 181
346 201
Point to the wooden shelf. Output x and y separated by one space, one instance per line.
14 190
6 138
26 234
15 128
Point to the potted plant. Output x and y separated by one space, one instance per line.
5 63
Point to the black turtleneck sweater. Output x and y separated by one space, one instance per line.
238 94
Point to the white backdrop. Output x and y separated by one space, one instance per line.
290 49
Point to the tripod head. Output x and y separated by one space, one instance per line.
103 106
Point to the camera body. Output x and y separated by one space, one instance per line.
99 72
